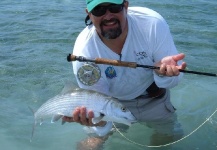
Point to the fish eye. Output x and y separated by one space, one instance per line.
124 109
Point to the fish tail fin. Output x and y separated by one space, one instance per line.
31 110
34 124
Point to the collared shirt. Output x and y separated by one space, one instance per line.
148 41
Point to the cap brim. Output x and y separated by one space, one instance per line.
94 3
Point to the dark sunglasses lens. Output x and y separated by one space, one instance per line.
115 8
99 11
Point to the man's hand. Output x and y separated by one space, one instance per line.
169 67
79 116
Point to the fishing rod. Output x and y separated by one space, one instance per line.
127 64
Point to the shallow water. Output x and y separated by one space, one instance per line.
37 35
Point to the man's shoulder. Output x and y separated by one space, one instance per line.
85 38
144 12
138 16
86 33
86 42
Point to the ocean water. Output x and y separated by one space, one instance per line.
37 35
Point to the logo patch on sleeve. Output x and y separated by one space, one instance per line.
110 72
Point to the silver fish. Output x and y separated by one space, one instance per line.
104 108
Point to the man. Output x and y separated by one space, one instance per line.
133 34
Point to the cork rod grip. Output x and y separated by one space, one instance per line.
115 62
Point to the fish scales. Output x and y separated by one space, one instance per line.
63 103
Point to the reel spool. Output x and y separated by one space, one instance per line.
89 74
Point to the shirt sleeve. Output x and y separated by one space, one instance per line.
81 46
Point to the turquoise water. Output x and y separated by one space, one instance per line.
35 38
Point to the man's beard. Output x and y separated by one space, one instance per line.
112 33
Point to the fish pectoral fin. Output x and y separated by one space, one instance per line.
97 119
56 117
102 131
63 122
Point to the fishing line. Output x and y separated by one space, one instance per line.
152 146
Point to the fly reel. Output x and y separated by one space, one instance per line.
89 74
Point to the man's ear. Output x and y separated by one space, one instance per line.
87 11
87 19
126 4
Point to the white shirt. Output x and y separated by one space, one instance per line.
148 41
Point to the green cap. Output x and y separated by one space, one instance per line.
93 3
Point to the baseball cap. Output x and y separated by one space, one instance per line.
93 3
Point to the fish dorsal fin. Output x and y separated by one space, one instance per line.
56 117
97 119
68 87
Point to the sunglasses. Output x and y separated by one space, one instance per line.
101 10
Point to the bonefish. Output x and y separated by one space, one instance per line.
105 108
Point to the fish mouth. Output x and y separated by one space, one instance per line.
128 121
132 121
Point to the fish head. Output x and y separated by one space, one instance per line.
117 112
